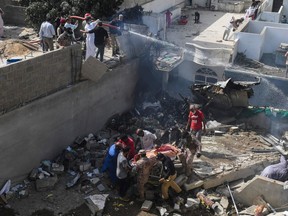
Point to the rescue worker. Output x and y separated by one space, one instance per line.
147 139
114 32
143 168
66 38
122 171
110 162
169 176
196 124
128 141
189 146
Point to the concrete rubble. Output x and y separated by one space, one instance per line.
79 164
96 203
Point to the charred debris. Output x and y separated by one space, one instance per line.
166 117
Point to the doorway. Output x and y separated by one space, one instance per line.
276 5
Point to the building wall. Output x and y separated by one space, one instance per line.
132 3
258 26
254 45
10 18
187 70
158 6
43 128
30 79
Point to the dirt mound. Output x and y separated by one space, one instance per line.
12 48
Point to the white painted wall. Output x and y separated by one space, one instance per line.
285 7
155 22
249 44
187 70
201 3
132 3
266 5
269 17
158 6
274 36
254 45
258 26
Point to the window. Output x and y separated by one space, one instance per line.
206 76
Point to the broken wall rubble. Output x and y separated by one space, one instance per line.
41 129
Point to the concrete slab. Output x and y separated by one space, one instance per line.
96 203
193 185
270 189
93 69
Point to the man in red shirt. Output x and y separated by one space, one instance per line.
128 141
196 123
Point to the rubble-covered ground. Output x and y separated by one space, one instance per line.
50 190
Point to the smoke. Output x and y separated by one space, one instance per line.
268 94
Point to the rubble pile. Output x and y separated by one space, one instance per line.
222 171
14 48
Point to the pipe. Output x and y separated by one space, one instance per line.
236 209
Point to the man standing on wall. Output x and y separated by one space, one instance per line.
196 124
100 40
114 32
47 33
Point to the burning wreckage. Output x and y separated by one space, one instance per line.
223 181
225 95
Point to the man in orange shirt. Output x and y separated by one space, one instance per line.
196 123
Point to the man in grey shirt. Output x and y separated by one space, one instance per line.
122 172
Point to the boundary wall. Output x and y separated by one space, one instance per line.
30 79
43 128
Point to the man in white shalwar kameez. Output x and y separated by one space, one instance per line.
90 46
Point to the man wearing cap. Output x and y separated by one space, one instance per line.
47 33
61 28
169 176
196 123
143 168
147 139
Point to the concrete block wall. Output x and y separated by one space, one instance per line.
43 128
30 79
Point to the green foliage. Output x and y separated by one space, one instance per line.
38 9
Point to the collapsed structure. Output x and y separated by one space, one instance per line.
237 146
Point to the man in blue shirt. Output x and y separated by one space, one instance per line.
47 33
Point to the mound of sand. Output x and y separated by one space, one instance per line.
13 48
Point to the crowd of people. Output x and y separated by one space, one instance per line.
130 162
96 37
